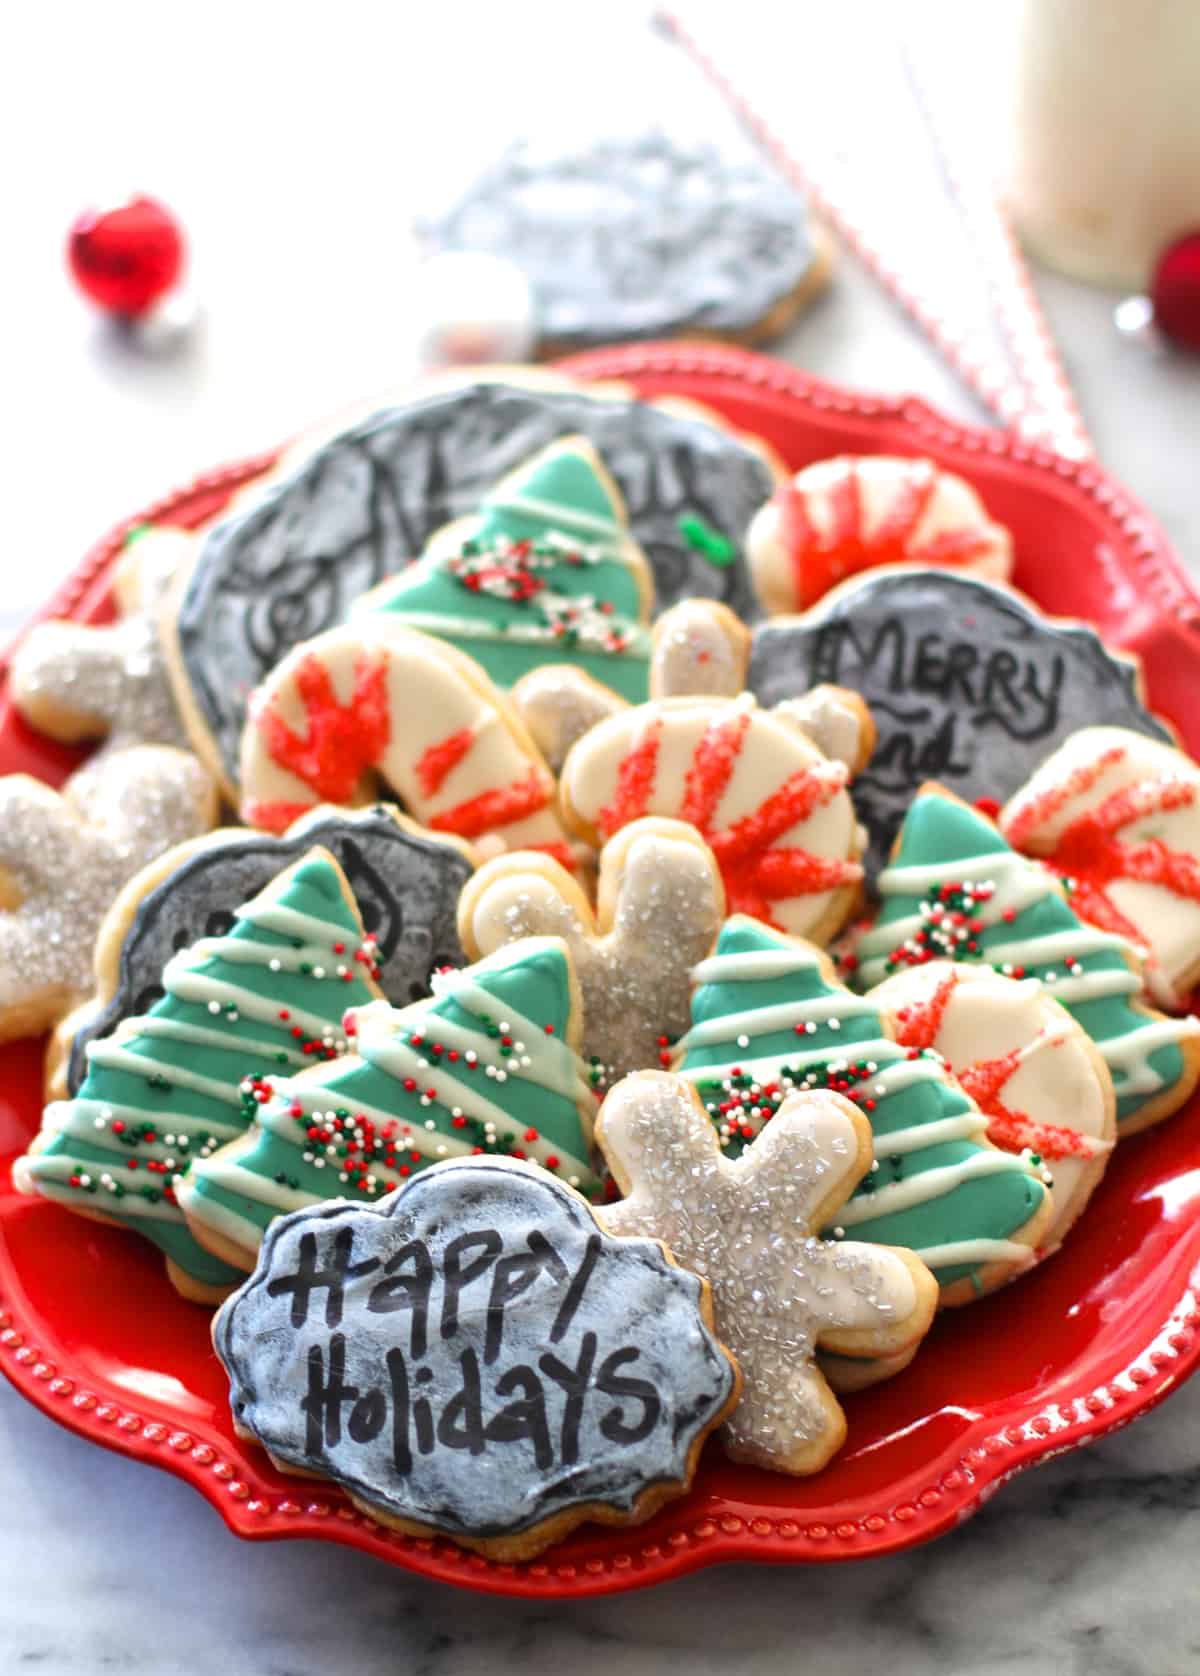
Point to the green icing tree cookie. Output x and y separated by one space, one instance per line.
487 1065
956 890
166 1089
546 572
769 1017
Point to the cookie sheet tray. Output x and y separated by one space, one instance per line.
93 1334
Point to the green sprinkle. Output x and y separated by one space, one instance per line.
702 538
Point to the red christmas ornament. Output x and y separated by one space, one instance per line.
1175 292
126 257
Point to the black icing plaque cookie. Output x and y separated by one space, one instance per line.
406 885
474 1357
969 685
641 237
364 505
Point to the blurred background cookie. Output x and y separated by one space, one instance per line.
642 236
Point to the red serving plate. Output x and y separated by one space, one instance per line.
91 1331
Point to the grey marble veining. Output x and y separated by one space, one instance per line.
1085 1567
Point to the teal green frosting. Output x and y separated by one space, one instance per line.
380 1130
573 503
152 1103
941 831
990 1207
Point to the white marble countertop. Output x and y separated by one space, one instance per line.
1086 1565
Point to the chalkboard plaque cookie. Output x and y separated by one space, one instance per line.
968 684
474 1358
291 559
405 881
641 237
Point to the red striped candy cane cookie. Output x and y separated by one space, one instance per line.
1038 1079
851 513
772 808
1117 816
372 702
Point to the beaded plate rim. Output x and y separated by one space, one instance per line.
686 1537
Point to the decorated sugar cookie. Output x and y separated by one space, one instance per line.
489 1065
751 1228
660 906
168 1087
79 681
558 705
545 572
1032 1069
404 880
474 1358
968 684
773 809
374 701
645 235
1117 817
770 1019
854 512
64 856
955 890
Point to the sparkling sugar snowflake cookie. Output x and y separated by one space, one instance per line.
751 1229
109 681
660 905
1117 816
65 855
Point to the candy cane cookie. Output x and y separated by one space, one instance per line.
374 701
1117 817
1032 1069
954 889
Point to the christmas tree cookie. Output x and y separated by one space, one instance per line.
166 1089
488 1065
546 572
769 1018
955 890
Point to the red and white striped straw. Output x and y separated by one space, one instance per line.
1032 396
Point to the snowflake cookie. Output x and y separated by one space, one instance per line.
109 681
660 906
63 858
751 1229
